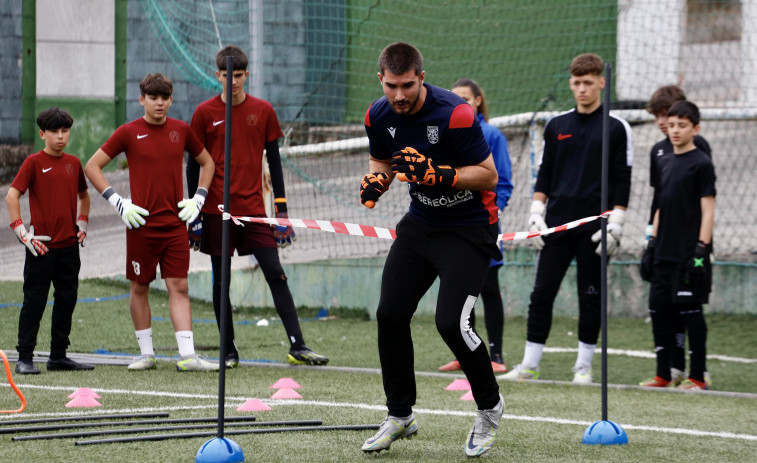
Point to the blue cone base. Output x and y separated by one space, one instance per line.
218 450
605 433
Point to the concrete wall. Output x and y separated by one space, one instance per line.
356 284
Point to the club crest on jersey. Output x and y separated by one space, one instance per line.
252 120
174 136
69 169
432 132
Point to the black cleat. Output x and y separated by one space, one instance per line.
66 364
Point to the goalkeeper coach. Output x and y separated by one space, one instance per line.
431 139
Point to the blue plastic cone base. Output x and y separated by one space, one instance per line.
605 433
218 450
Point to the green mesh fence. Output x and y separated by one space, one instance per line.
316 62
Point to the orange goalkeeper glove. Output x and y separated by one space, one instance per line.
372 187
412 166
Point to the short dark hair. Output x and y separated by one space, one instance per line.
156 84
663 98
399 58
477 91
685 110
54 119
586 63
238 57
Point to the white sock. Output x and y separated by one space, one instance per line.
532 354
186 343
144 339
585 354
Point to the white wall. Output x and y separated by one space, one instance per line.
648 29
76 48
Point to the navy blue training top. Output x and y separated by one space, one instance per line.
446 130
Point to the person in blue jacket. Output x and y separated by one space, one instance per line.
494 312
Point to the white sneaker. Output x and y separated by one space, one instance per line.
582 374
392 429
521 373
144 362
484 431
195 363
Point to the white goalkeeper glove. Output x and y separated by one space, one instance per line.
614 231
81 232
33 243
130 213
536 223
190 208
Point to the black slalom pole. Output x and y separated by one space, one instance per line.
605 432
221 449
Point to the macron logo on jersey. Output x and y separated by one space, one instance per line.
139 137
217 123
561 136
44 171
392 130
660 153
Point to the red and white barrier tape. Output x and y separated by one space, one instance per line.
387 233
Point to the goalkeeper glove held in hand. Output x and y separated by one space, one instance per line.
130 213
190 208
81 229
372 187
33 243
283 235
536 223
614 231
412 166
194 231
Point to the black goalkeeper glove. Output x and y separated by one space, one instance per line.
696 265
647 259
412 166
372 187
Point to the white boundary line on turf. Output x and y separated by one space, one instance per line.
646 354
683 431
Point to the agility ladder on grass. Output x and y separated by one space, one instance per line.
387 233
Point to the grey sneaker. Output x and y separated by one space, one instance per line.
521 373
391 429
582 374
195 363
484 431
144 362
677 377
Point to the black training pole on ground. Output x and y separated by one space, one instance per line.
605 432
221 449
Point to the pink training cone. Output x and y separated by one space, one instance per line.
285 383
458 385
84 392
253 405
84 402
467 396
286 393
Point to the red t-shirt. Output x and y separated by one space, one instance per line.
155 154
254 124
54 184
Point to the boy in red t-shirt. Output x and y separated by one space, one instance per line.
55 181
155 214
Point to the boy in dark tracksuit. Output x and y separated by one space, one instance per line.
568 187
677 258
